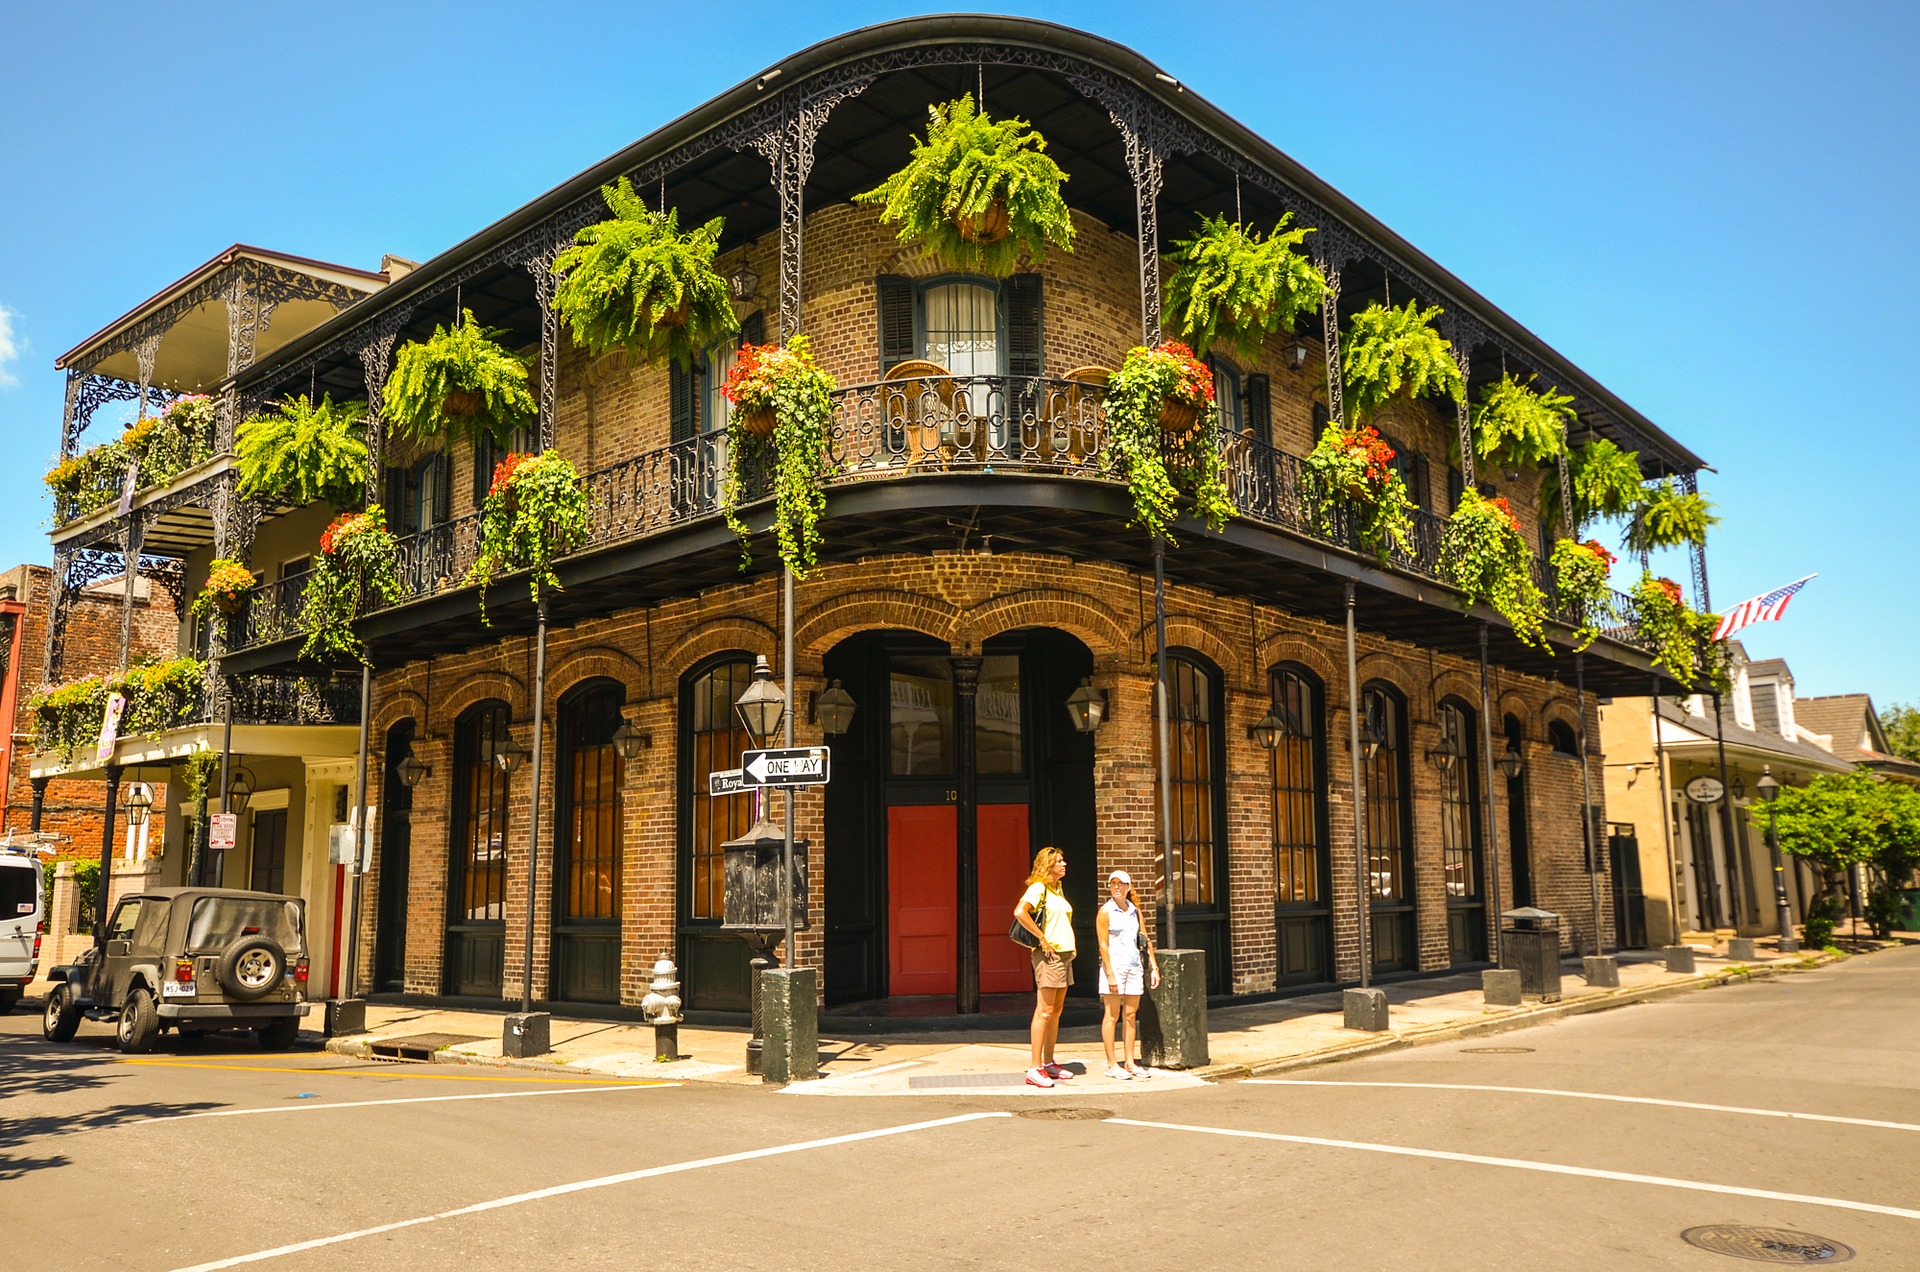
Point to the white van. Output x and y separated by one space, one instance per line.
22 892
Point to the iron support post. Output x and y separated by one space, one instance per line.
966 690
359 836
1363 895
1676 891
1783 912
1167 903
39 803
1492 836
1737 870
1589 833
533 803
787 796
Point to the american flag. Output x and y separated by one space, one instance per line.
1759 609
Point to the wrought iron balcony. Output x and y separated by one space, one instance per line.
924 427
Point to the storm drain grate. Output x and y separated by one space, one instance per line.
1497 1051
416 1046
1068 1113
932 1081
1767 1245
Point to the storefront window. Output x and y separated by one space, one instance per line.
1298 850
717 740
920 724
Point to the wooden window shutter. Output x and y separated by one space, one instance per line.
1259 415
896 321
1024 355
1321 418
483 461
682 402
1456 487
754 329
395 497
441 475
1422 474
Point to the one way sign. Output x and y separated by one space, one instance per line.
794 766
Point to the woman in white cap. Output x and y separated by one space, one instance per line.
1127 961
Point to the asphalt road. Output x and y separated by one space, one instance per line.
1789 1104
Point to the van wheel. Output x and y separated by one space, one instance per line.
279 1033
139 1023
62 1019
9 999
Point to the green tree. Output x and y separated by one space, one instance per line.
1901 723
1840 821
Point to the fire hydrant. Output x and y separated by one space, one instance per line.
661 1007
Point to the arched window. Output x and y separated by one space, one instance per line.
586 863
1389 828
1562 738
477 853
1460 854
716 739
1303 932
1197 814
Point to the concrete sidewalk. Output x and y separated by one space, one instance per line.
1257 1039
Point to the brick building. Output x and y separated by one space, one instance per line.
977 569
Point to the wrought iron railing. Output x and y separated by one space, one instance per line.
271 612
266 698
918 427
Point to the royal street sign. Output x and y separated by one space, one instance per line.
725 782
793 766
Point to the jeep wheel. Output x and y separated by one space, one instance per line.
139 1023
251 968
279 1033
9 999
62 1019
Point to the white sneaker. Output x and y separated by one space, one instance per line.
1139 1072
1039 1078
1116 1072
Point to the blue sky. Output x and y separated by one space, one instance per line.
1708 206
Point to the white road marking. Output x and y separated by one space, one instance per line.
604 1181
1515 1163
421 1099
1596 1095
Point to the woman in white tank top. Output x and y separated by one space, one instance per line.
1125 972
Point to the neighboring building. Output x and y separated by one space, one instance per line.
1715 854
977 569
1847 725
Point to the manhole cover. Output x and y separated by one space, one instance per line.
1497 1051
1767 1245
1079 1113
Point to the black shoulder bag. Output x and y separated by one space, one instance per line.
1019 934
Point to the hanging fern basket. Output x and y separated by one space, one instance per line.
989 227
461 404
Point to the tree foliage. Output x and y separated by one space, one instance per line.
1901 723
1235 287
302 453
1841 820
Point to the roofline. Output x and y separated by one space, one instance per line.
1145 75
193 275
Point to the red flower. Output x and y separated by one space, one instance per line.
341 528
1594 546
504 470
1671 588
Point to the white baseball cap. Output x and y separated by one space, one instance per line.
1122 876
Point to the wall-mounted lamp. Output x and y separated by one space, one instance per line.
1087 706
239 791
1445 755
1274 728
1296 353
510 755
834 708
137 804
743 283
1511 762
629 741
1373 730
410 771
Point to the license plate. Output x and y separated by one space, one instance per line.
175 989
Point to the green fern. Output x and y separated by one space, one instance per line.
1606 484
1389 351
1668 517
1235 287
635 281
1517 426
303 453
968 164
460 384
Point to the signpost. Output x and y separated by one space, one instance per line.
787 766
222 829
725 782
1705 790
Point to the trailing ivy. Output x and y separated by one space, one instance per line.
1391 351
1154 462
1353 470
791 388
303 453
1234 287
1668 517
1484 553
1581 574
160 695
1606 483
461 384
67 715
635 281
158 448
977 192
1516 426
359 562
1681 636
537 510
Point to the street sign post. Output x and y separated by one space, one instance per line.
725 782
788 766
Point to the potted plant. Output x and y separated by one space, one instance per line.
229 584
537 510
1391 351
1484 553
1234 287
160 695
1161 425
782 403
1353 468
1681 636
302 453
88 481
1666 516
459 383
1517 426
976 192
635 281
1581 574
67 715
359 562
1606 483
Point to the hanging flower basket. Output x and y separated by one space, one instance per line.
756 421
1580 581
782 412
1484 553
1353 469
229 584
359 564
989 227
537 510
1681 637
1161 426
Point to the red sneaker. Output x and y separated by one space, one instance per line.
1039 1078
1059 1073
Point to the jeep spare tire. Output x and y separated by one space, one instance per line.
251 967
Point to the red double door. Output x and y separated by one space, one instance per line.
923 912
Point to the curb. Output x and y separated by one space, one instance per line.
360 1047
1522 1019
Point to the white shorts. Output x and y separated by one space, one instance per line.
1133 980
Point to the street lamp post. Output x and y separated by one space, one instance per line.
1769 791
761 708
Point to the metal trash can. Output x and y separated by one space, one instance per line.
1530 945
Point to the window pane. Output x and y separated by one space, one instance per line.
718 739
1190 766
962 328
1298 851
997 715
590 864
480 839
921 721
1386 842
1460 848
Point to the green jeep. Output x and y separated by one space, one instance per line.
192 959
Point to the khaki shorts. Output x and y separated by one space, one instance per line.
1053 971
